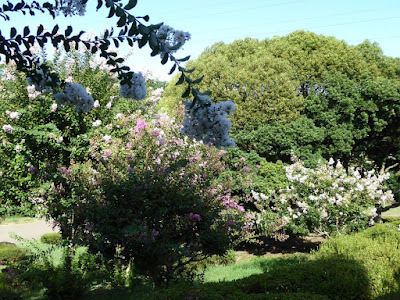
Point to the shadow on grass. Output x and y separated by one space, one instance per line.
308 279
292 245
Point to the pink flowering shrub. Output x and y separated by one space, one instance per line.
149 195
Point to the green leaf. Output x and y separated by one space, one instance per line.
198 80
68 31
143 29
40 29
172 69
99 4
143 41
55 30
13 32
133 29
164 59
187 92
67 47
26 30
181 79
112 12
131 4
122 21
146 18
184 59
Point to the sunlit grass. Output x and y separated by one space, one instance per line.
8 220
392 214
257 265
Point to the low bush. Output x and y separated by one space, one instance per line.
11 253
53 238
376 249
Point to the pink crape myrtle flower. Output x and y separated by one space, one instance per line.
195 216
140 125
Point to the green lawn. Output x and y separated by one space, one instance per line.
17 220
242 269
392 214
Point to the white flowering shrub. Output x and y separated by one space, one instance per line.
37 134
327 199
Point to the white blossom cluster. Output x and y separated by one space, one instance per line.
331 188
171 39
72 7
209 123
13 114
75 94
136 89
32 92
327 198
8 128
344 186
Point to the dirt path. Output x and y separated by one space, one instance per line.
32 230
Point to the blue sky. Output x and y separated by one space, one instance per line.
211 21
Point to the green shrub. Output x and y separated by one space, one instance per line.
376 249
9 295
336 278
11 253
271 177
51 238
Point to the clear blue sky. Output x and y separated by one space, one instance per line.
211 21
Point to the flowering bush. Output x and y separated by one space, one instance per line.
327 199
147 194
38 134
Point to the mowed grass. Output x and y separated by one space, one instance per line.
246 268
392 214
17 220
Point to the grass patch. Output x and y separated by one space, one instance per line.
243 269
392 214
17 220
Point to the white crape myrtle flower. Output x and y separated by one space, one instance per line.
8 128
32 93
209 122
107 138
72 7
54 107
109 105
14 115
75 94
18 148
136 89
171 40
96 103
96 123
119 116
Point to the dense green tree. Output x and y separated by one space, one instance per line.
276 141
311 55
261 85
